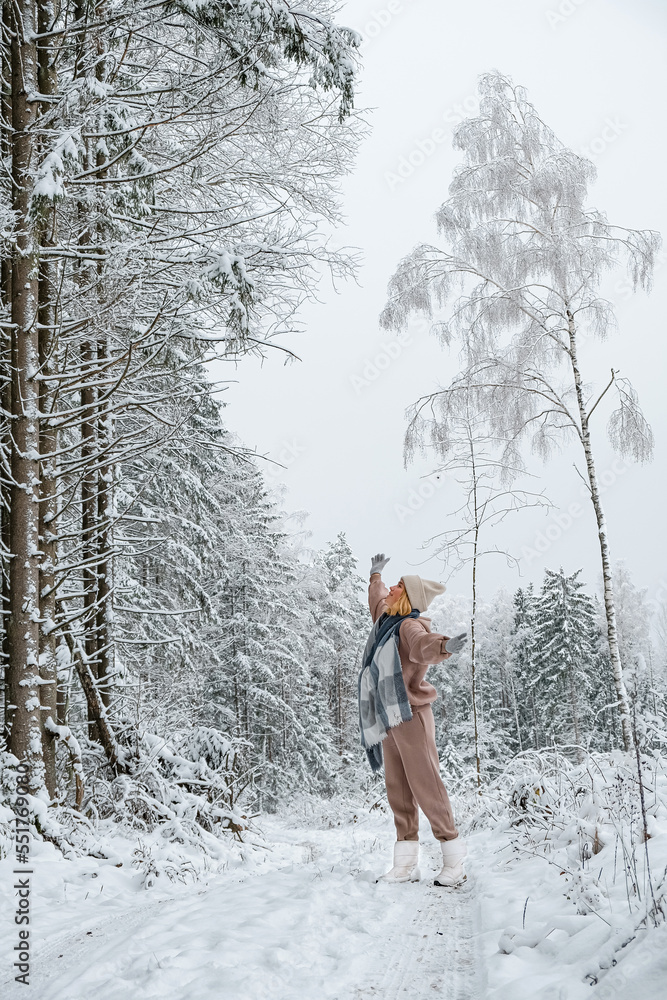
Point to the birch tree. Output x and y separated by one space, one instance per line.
520 269
473 456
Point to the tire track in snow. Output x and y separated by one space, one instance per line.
318 926
435 952
78 943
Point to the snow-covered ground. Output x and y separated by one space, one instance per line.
304 918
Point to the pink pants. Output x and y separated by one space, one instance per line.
412 777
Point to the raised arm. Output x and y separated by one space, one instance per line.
377 591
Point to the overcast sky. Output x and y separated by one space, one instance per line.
595 69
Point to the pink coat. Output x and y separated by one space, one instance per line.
418 647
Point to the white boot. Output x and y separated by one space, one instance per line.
453 853
406 863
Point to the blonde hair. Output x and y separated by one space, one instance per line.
402 606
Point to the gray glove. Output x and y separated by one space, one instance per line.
456 644
378 562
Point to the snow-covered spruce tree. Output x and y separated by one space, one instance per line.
566 654
493 723
152 203
219 624
159 519
224 290
342 618
497 681
522 653
521 263
198 578
658 661
262 684
171 535
294 624
452 710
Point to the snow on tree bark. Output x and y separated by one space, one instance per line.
23 627
608 588
48 438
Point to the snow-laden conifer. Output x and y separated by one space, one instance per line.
566 649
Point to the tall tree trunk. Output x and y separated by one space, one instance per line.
48 512
574 707
104 596
6 390
104 619
5 521
86 278
23 632
89 516
473 616
609 607
536 730
515 711
48 526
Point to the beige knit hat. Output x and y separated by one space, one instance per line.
421 592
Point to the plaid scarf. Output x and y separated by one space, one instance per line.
383 700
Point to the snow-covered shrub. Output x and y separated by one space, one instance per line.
340 810
8 773
586 818
154 863
70 831
188 790
190 784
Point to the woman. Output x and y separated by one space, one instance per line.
396 717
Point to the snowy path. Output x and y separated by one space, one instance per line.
316 926
307 920
431 951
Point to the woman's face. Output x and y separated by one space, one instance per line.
395 593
